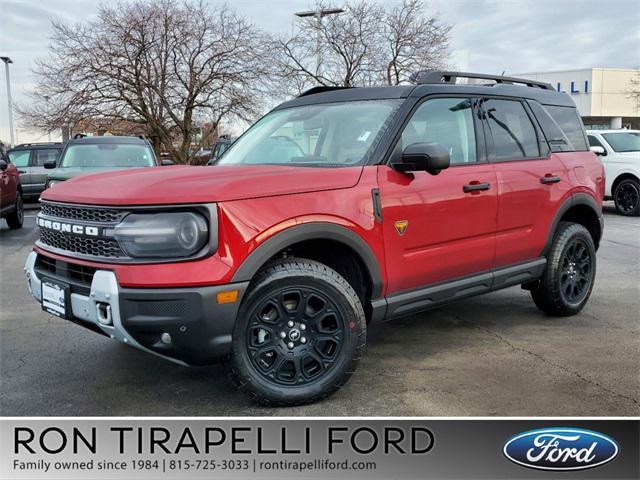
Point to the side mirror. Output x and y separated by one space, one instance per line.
429 157
50 164
600 151
166 163
3 165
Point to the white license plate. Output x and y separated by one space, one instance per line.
54 299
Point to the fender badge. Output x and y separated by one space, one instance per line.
401 226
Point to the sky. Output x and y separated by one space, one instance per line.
489 36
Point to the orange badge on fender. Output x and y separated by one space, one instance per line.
401 226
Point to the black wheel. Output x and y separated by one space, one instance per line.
300 333
569 276
627 197
16 218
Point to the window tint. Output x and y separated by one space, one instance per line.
514 136
43 156
594 142
623 141
448 121
569 121
20 158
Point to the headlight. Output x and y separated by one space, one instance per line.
162 235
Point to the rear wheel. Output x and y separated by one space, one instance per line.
16 218
300 333
566 284
627 197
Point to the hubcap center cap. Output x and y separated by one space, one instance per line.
294 334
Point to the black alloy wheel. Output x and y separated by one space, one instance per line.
627 197
299 334
295 336
575 276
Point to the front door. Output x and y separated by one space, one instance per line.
440 227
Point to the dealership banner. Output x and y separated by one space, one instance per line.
112 448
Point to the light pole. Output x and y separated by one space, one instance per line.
319 14
7 61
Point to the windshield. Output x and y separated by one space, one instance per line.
623 141
110 155
336 134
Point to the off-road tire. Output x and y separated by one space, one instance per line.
273 282
626 197
16 218
550 295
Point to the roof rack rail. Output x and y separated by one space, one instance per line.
320 89
79 135
431 76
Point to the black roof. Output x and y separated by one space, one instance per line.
31 146
109 139
543 95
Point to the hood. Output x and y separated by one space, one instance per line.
184 184
65 173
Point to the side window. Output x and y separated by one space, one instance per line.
569 121
448 121
594 142
44 155
20 158
514 136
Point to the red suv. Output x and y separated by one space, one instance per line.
11 205
338 208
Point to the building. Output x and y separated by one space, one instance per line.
603 95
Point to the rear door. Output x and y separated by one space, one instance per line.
440 227
20 159
38 174
531 181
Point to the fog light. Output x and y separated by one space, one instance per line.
165 338
229 296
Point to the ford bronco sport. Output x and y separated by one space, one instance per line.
338 208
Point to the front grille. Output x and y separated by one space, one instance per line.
98 247
92 214
79 277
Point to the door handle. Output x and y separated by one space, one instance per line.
547 179
474 187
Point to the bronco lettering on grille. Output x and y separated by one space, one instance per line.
68 227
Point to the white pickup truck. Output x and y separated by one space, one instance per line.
619 151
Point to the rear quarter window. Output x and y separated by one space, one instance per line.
569 121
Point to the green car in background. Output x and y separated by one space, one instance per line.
84 155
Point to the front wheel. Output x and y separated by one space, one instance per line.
300 333
627 197
568 278
16 218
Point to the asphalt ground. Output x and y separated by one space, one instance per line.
490 355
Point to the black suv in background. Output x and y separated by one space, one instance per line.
29 159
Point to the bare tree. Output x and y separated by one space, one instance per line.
633 92
412 42
161 64
367 44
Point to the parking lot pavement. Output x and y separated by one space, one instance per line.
489 355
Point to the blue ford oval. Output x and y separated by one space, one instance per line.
561 449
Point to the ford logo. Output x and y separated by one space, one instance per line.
560 449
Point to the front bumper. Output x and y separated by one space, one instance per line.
199 329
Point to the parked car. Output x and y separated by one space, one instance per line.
619 151
30 158
11 197
393 200
222 145
84 155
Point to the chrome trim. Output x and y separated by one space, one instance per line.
104 289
